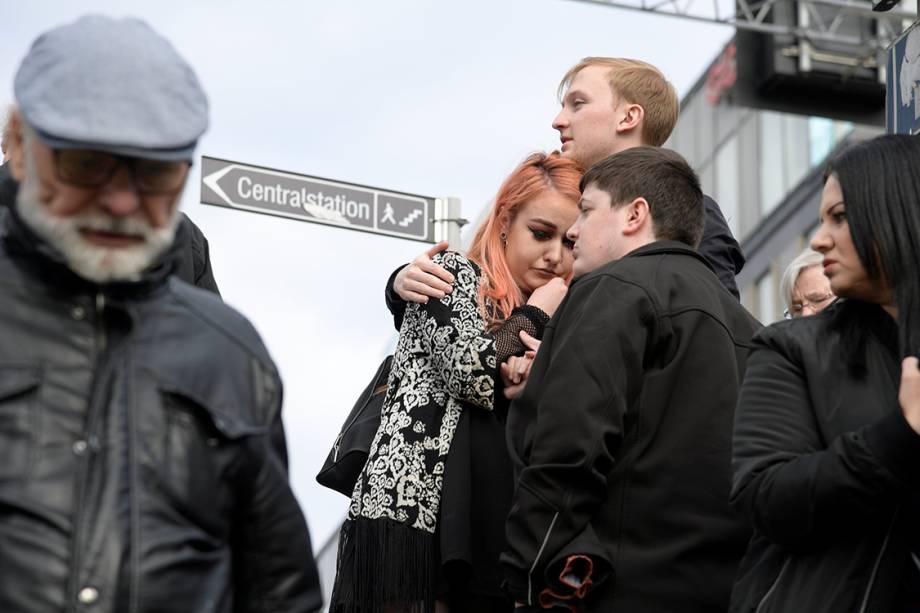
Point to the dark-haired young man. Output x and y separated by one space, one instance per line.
622 435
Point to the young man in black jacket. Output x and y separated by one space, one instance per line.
621 438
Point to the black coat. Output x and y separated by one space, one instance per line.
825 466
142 457
719 246
621 439
193 261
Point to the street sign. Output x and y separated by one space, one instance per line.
334 203
903 100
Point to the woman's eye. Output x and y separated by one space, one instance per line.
839 217
540 235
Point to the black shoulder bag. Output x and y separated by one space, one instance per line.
349 452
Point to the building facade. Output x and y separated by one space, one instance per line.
765 169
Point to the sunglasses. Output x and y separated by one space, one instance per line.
92 169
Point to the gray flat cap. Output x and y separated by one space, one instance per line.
113 85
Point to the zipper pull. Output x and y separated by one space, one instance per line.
100 303
335 447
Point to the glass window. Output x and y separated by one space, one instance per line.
705 130
821 139
707 178
727 183
766 299
772 183
795 145
841 130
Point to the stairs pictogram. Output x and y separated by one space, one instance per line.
410 218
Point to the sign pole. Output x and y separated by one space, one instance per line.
447 221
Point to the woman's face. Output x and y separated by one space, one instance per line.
536 247
811 292
842 266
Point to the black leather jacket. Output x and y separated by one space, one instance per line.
826 468
142 456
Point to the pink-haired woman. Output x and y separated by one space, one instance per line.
425 525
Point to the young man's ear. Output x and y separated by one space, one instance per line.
632 117
638 217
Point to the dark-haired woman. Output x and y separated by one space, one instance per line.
827 430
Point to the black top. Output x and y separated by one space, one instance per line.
621 439
825 467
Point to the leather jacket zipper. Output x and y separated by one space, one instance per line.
99 335
878 561
536 561
772 589
100 329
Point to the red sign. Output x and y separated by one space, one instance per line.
722 75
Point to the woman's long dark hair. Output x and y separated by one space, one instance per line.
880 181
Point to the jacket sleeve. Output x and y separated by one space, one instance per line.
204 276
719 246
274 569
395 304
572 419
798 490
201 259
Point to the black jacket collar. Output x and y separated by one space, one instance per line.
673 247
655 248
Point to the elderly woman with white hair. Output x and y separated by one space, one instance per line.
804 287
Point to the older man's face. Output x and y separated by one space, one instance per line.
110 231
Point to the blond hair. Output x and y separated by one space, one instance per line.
637 82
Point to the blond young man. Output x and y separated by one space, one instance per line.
608 105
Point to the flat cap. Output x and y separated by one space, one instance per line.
112 85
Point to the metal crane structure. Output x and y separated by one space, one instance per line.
843 32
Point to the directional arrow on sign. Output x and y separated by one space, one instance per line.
295 196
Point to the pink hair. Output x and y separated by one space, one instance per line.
536 175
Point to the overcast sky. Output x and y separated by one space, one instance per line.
429 97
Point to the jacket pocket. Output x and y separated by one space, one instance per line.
19 421
202 449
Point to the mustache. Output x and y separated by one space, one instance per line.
134 226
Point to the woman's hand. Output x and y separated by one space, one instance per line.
548 297
909 393
423 279
514 374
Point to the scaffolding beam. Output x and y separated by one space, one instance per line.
757 16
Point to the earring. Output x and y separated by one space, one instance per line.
503 237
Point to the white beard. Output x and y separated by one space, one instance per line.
90 261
